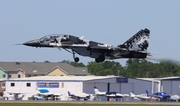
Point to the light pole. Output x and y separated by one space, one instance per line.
147 74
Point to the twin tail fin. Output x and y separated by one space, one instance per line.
138 42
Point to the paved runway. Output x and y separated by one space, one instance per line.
88 102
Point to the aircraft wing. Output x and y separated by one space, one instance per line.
125 94
102 47
119 95
143 97
117 49
156 96
110 95
45 94
81 95
100 94
15 93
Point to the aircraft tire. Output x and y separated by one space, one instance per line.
76 59
101 58
97 60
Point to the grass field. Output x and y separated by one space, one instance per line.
70 104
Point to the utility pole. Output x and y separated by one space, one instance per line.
147 74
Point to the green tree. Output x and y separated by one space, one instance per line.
75 64
104 68
95 68
65 61
46 61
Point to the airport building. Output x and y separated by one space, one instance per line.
170 85
27 77
79 84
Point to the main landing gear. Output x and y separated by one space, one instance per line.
101 58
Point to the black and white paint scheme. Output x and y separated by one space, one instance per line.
135 47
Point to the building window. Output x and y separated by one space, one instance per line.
35 75
4 76
12 84
61 75
19 76
3 85
28 84
9 75
29 75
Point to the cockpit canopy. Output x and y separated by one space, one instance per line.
53 36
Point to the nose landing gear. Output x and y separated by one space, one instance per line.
76 59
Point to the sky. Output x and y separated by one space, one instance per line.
105 21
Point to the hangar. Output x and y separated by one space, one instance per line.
170 85
79 84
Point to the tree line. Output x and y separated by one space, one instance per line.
134 68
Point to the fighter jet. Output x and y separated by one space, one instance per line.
135 47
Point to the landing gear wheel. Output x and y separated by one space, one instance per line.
76 59
101 58
97 60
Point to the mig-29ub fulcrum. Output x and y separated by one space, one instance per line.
135 47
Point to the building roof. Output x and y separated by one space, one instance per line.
42 67
3 70
169 78
62 78
164 78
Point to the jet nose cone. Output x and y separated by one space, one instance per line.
26 43
33 43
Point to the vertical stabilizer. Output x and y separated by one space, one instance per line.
132 94
147 92
138 42
69 94
96 91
